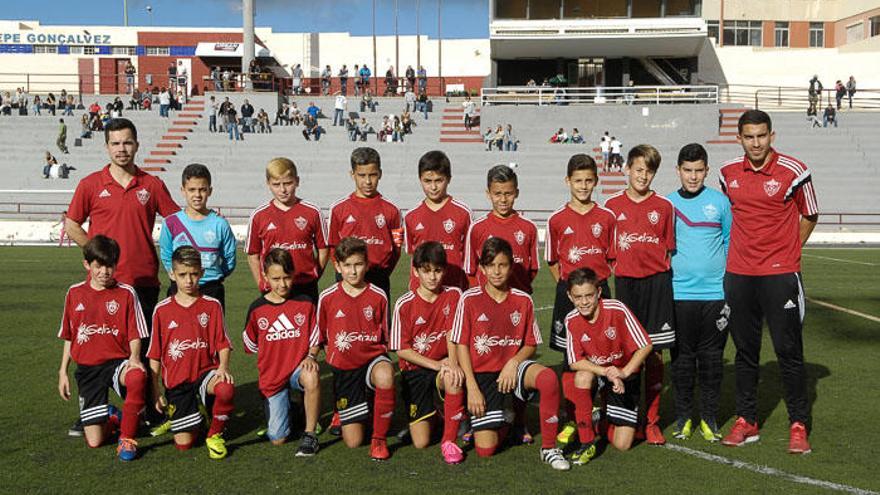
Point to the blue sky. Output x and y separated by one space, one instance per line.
461 18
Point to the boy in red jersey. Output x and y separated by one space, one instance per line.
189 350
102 328
289 223
352 321
367 215
280 328
579 234
440 218
606 344
645 237
497 334
428 361
504 222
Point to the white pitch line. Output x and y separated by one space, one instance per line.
840 260
844 310
543 308
769 471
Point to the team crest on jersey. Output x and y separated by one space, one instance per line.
368 313
597 229
520 237
299 319
300 223
710 212
112 306
448 225
771 187
209 236
203 319
143 196
446 310
515 318
653 217
611 333
263 323
380 220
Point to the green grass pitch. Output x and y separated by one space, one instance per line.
842 350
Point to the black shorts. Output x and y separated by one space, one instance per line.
93 383
354 391
562 306
623 409
186 398
488 383
420 390
650 299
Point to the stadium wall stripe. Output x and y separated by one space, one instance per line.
769 471
848 311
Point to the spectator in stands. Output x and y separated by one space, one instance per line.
499 137
410 98
172 75
313 110
50 161
182 76
813 93
385 129
839 92
282 116
406 122
295 114
511 143
70 106
351 126
390 82
62 137
311 127
230 118
130 71
559 137
343 80
397 130
423 80
363 129
216 78
134 102
851 89
422 104
227 80
367 101
470 111
830 116
6 104
147 101
339 108
365 74
489 138
576 137
616 156
213 107
410 78
326 75
297 74
94 109
263 122
247 117
37 105
50 103
86 127
164 102
115 108
357 80
605 148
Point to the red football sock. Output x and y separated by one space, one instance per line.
135 385
223 406
453 413
583 410
486 451
548 387
183 446
383 410
569 391
653 386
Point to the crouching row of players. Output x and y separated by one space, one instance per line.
472 350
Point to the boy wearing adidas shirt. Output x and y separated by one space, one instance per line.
496 336
645 237
506 223
440 218
189 350
605 345
428 361
102 328
352 321
289 223
367 215
280 328
203 229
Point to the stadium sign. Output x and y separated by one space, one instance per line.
56 38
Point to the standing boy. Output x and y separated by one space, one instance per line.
428 361
352 320
203 229
439 217
643 281
289 223
702 235
367 215
189 350
101 327
496 336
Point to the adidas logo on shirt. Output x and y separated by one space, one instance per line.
790 305
483 317
568 231
734 184
340 314
271 226
585 338
420 321
420 227
104 194
350 219
172 325
80 307
666 327
621 217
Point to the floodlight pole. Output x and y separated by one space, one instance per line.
247 13
396 41
440 45
125 13
375 67
418 38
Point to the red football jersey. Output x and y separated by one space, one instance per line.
495 331
280 335
767 205
576 240
371 219
448 226
100 324
126 215
300 230
645 234
520 232
423 326
609 341
353 329
186 340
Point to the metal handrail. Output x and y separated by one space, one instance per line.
548 95
791 97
